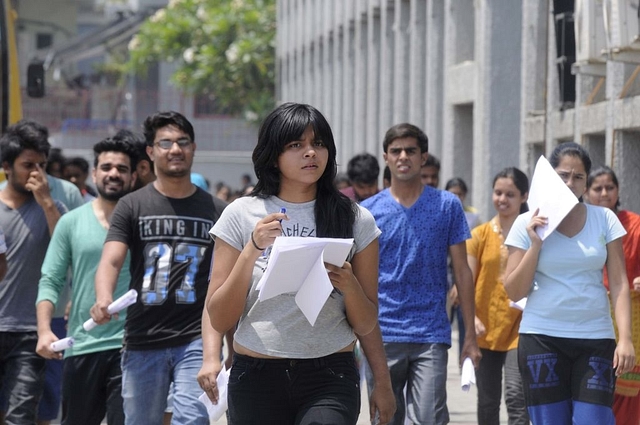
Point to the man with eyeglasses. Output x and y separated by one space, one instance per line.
168 336
420 226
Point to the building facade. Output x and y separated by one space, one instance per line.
493 83
82 105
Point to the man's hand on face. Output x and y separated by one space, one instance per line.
38 185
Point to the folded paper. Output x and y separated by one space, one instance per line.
468 375
216 411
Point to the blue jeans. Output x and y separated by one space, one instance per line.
422 368
320 391
146 377
21 376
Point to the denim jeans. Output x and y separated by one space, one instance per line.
21 376
422 368
320 391
146 377
489 380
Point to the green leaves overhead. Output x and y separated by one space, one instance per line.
224 49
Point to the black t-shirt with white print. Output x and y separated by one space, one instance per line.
170 259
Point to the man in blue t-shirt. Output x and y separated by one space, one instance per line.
420 227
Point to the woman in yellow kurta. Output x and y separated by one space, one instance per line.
496 321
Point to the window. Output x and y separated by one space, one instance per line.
566 49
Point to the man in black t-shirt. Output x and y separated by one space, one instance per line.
168 336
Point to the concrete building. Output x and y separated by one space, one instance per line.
82 105
493 83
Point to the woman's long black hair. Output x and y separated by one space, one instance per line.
334 213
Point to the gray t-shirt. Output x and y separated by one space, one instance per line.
276 327
27 236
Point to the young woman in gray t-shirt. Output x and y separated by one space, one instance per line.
285 370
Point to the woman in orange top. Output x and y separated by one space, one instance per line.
602 190
496 321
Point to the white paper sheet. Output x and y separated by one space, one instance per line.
468 375
551 195
519 305
296 265
216 411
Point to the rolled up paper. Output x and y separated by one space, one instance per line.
128 298
468 375
62 344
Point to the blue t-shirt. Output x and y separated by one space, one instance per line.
414 246
568 298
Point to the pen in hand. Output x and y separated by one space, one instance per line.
267 251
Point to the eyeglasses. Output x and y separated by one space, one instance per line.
168 144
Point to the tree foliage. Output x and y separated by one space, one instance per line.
224 49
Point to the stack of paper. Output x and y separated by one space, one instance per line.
296 265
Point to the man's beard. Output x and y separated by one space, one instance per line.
21 189
180 172
112 196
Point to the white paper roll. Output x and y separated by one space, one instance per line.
62 344
128 298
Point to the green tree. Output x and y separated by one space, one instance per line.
225 49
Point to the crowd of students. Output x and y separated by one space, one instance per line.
569 369
196 263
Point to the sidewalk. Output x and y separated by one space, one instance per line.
462 405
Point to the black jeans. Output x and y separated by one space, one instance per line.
92 388
489 381
21 376
320 391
